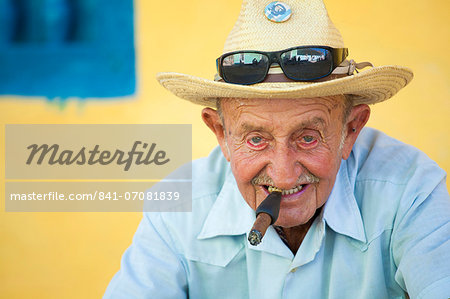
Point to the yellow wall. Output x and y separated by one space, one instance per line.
74 255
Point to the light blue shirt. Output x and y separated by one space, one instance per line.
384 231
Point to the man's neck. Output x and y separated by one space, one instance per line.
293 236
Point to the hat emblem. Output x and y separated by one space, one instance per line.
278 12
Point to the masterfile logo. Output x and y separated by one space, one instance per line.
96 151
98 168
54 156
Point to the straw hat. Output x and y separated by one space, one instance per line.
306 23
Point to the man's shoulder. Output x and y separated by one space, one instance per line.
378 157
385 177
388 177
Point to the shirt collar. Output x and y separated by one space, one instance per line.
341 211
231 215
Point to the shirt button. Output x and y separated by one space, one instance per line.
293 270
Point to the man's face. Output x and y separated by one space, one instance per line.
292 144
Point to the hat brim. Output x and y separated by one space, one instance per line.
371 86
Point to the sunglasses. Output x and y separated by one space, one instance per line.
299 63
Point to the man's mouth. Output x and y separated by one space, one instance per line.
296 189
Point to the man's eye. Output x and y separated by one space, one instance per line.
307 142
308 139
256 142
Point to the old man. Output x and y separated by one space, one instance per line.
361 215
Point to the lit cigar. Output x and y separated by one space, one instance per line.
266 215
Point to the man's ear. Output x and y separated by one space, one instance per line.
355 122
212 120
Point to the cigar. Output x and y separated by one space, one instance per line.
266 215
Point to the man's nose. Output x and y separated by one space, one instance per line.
284 167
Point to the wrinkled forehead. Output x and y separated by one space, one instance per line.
233 107
238 112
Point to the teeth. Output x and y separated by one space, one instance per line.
285 192
272 189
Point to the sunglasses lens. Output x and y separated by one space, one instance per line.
307 64
244 68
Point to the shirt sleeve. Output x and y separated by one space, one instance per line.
149 267
421 237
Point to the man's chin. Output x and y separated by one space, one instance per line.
295 216
288 222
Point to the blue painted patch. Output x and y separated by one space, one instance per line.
278 12
67 48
